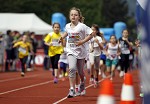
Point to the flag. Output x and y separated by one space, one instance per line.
140 7
145 55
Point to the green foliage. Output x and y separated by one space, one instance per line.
102 12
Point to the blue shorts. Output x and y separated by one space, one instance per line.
63 65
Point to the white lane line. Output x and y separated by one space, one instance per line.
5 80
85 88
2 93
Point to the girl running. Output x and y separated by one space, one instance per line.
78 33
94 56
55 48
63 63
124 43
23 47
112 53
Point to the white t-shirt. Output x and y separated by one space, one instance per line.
112 51
63 57
75 34
96 48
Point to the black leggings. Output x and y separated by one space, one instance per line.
124 62
54 61
23 62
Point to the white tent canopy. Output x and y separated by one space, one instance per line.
23 22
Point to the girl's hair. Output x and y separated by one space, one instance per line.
80 14
124 30
115 37
55 24
97 29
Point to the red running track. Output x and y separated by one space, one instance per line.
37 87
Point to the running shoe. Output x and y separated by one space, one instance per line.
91 81
95 84
141 94
99 72
76 89
81 88
83 92
103 76
71 93
22 74
66 74
78 93
60 75
121 74
55 80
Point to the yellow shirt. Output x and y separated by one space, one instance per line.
56 47
23 48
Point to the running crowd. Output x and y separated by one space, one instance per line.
81 45
17 46
77 47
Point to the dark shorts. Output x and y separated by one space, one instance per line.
63 65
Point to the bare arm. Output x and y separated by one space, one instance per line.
99 44
63 36
84 40
105 50
130 43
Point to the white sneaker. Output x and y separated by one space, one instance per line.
29 69
83 92
60 75
121 74
22 74
99 72
71 93
103 76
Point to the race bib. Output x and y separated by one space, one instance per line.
130 57
113 56
125 50
55 42
22 50
72 40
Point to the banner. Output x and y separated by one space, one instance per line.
145 56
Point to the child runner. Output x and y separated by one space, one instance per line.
23 47
124 43
112 53
2 51
94 56
63 63
55 48
102 57
78 33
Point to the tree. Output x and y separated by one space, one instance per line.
102 12
113 11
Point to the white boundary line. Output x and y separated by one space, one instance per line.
11 79
18 78
85 88
2 93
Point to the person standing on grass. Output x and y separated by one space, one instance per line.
112 53
23 47
78 34
55 48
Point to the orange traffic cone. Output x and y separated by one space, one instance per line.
106 93
127 93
